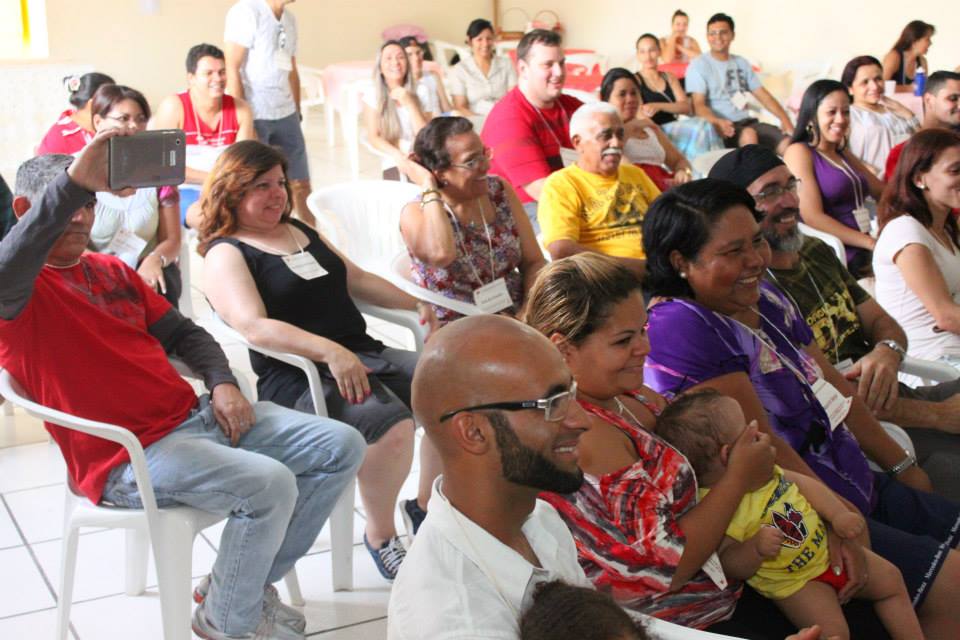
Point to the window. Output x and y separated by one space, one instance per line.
23 29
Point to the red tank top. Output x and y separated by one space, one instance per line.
225 132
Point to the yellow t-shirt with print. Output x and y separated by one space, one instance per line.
803 554
602 214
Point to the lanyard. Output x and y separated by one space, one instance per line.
835 333
463 247
563 120
770 345
851 175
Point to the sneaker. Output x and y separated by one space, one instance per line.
412 516
272 605
388 557
268 629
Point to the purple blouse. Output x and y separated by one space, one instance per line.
691 344
839 195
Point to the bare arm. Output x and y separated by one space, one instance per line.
461 104
295 84
700 109
445 106
428 233
823 500
873 439
799 159
704 526
773 106
876 372
562 248
675 160
693 50
742 560
923 277
535 188
235 55
245 129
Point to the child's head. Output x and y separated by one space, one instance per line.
563 612
702 425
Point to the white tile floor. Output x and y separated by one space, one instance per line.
31 513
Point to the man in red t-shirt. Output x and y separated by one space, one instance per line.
529 126
941 109
83 334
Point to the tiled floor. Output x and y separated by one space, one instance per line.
31 513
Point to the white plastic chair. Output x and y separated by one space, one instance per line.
445 52
311 91
341 518
185 304
400 276
832 241
930 371
170 532
362 219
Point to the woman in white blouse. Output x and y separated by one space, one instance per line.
483 77
917 257
433 97
878 123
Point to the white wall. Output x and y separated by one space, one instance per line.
771 33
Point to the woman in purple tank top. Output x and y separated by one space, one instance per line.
834 185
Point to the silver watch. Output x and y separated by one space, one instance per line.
895 347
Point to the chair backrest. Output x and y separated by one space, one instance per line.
832 241
705 161
362 219
400 276
445 52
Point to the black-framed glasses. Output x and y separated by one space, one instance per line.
554 407
775 192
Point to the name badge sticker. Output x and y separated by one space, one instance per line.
127 246
834 403
493 297
304 265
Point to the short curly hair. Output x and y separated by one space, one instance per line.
561 611
689 424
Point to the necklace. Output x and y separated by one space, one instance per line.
66 266
88 292
622 408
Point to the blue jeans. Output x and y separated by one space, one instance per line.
277 488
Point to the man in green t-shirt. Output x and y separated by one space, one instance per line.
850 327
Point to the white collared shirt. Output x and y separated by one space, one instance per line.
252 25
458 581
482 91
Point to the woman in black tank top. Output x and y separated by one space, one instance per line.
280 284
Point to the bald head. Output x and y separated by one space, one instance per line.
480 359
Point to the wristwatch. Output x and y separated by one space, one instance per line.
895 347
903 465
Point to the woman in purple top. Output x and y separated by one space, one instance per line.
834 185
714 325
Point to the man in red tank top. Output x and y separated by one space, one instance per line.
211 119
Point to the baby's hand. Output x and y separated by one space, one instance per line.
848 525
767 541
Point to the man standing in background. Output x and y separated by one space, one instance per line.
261 45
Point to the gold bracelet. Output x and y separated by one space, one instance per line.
426 202
428 191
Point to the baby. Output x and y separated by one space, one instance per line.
777 539
564 612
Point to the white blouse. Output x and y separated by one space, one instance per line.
873 134
482 91
138 214
645 150
900 301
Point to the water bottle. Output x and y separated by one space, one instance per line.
919 82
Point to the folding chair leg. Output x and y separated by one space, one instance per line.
293 588
341 539
173 556
138 550
68 566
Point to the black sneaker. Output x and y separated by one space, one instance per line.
413 517
388 557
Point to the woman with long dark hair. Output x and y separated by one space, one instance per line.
908 53
834 185
73 129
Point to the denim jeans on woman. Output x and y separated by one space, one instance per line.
277 488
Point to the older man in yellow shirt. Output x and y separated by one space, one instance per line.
598 203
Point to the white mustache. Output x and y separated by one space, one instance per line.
612 152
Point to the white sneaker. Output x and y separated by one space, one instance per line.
272 605
268 629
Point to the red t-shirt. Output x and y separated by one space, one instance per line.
65 136
892 161
227 128
526 141
89 354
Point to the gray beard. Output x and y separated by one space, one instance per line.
790 243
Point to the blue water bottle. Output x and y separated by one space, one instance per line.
919 82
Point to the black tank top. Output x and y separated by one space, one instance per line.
649 95
321 306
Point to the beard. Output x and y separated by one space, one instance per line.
789 242
524 466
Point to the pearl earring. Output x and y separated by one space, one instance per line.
683 274
921 186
